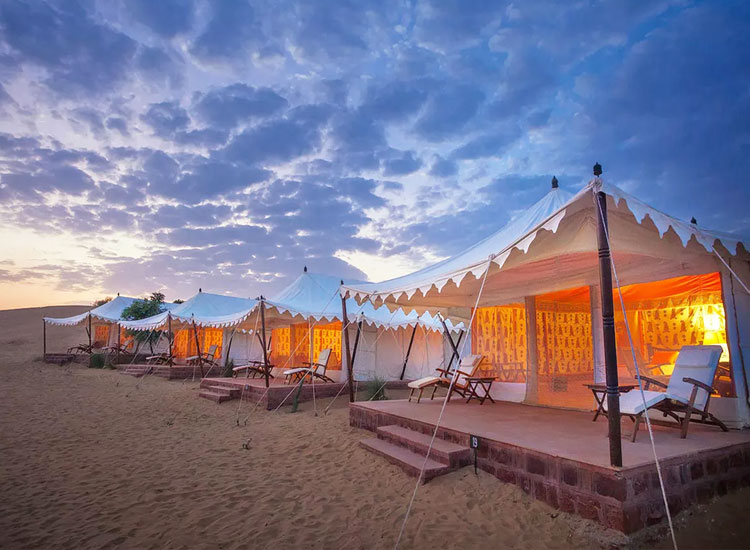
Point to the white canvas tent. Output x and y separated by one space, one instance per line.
100 319
209 316
540 273
311 305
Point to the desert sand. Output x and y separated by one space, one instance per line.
95 459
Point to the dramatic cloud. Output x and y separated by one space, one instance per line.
182 143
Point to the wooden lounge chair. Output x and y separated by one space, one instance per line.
160 359
686 397
121 348
204 357
253 368
469 364
84 348
312 369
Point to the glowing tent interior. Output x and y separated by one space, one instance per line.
535 283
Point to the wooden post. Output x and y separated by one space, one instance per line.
349 369
117 353
608 326
263 338
408 352
454 345
44 337
170 338
532 361
91 350
229 347
198 348
356 343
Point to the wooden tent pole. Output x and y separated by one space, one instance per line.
117 354
44 337
170 338
454 345
608 325
408 352
198 348
356 343
91 350
264 342
345 328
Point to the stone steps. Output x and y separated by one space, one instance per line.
137 370
407 449
218 392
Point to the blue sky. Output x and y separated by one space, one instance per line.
184 143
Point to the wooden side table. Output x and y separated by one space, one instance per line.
600 394
473 383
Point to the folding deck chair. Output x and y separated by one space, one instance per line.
253 368
85 348
443 380
687 394
204 357
299 373
160 359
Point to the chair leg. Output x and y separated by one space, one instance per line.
685 424
410 394
636 425
419 397
718 422
434 390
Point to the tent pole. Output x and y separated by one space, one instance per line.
263 340
171 338
356 343
198 348
408 351
608 325
91 350
345 328
229 347
454 345
44 337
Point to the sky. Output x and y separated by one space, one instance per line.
180 144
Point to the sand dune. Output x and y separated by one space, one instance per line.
95 459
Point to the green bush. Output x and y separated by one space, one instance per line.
96 361
228 366
375 390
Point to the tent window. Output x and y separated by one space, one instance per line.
666 315
499 333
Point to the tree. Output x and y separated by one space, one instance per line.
140 309
178 301
103 301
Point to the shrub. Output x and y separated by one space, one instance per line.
228 366
375 390
96 361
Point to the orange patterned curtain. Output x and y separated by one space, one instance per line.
211 337
281 345
184 343
499 333
101 335
300 343
328 336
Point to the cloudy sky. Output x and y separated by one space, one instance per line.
174 144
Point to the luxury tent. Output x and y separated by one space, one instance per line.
306 317
99 322
532 291
198 323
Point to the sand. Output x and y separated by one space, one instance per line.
96 459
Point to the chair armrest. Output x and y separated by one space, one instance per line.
444 371
700 384
650 380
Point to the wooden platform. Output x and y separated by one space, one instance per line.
562 457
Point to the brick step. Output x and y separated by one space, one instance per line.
214 396
218 382
410 462
445 452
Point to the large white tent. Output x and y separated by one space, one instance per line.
206 316
535 284
101 319
306 317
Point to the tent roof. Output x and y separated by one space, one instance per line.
550 247
316 296
205 308
110 312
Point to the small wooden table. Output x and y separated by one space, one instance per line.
473 383
600 393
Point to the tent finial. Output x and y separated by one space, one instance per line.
554 182
118 293
304 269
200 289
597 169
693 221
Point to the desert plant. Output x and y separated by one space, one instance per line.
375 390
228 366
96 361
